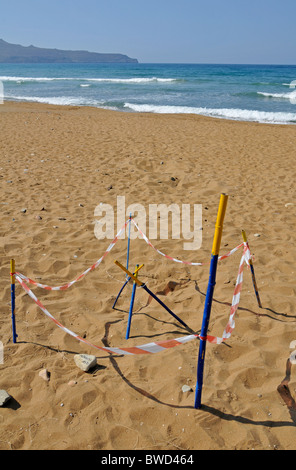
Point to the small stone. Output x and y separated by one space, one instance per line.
38 217
44 374
256 234
24 210
81 205
289 204
72 383
85 361
4 397
109 187
186 388
62 218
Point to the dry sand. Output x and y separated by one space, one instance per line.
60 163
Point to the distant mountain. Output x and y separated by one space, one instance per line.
14 53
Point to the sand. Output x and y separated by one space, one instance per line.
59 163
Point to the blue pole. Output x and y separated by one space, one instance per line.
131 310
12 290
209 298
119 293
164 306
204 330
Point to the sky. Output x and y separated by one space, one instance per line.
158 31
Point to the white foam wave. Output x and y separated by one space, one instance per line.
56 100
232 113
132 80
284 96
31 79
99 80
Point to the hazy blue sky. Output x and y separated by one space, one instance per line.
193 31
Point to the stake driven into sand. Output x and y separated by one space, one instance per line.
132 302
209 297
141 284
252 271
12 275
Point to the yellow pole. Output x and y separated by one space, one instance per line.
133 276
252 271
219 224
12 270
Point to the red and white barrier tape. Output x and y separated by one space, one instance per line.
177 260
155 347
97 263
69 284
235 299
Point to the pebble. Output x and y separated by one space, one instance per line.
289 204
45 375
256 234
72 383
24 210
4 397
186 388
85 361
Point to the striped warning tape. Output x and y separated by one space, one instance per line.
91 268
178 260
97 263
155 347
235 299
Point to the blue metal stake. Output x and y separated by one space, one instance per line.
131 310
204 330
209 298
12 290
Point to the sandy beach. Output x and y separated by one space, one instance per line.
57 164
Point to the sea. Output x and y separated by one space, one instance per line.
260 93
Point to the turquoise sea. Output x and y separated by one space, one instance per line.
240 92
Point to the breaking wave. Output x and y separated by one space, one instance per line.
231 113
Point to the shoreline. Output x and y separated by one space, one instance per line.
57 164
220 118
